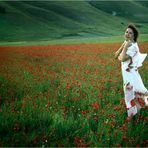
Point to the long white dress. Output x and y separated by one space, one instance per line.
132 83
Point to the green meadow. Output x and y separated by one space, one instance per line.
66 96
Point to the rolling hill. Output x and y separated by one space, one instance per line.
48 20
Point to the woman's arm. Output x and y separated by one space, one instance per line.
117 53
123 56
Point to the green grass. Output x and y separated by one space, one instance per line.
75 40
124 9
68 98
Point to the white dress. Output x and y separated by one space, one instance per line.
132 83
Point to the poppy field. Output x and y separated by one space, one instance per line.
67 96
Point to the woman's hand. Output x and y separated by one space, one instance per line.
123 56
116 54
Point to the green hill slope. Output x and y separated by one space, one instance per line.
47 20
132 10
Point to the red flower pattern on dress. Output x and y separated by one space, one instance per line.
133 103
129 87
129 65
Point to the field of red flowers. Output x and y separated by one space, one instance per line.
67 96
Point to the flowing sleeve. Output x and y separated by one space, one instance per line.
131 51
137 57
141 58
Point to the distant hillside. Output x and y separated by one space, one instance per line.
130 10
47 20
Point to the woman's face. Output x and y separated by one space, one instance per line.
129 35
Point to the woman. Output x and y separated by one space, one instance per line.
131 59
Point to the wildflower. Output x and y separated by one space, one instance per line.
16 127
35 143
46 106
83 112
26 99
124 138
127 119
118 146
95 118
79 85
68 84
111 125
110 80
141 102
95 106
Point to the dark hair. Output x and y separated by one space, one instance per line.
135 31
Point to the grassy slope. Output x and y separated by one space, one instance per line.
132 10
48 20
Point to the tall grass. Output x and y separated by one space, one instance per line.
66 96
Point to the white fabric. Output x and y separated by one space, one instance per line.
141 58
131 77
132 50
137 57
132 111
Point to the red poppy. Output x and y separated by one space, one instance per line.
95 106
127 119
124 138
78 85
95 118
141 102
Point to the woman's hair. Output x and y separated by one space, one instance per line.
135 31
